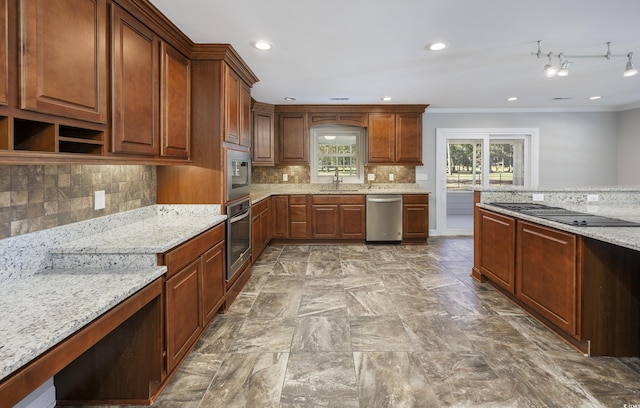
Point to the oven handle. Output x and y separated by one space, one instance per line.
239 217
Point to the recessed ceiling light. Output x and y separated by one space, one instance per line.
593 98
289 98
437 46
512 98
386 98
263 45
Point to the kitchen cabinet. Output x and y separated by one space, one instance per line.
338 216
62 75
135 85
547 273
280 216
263 146
299 218
237 107
175 103
292 138
260 228
415 217
194 290
338 118
497 248
395 138
4 61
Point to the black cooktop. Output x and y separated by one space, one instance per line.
565 216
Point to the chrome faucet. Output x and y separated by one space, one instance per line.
336 178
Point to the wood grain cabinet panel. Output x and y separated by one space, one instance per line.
183 313
547 273
280 216
381 135
245 114
325 221
409 138
260 228
4 52
232 106
497 253
175 102
352 221
135 85
415 217
213 282
338 216
298 217
293 138
263 150
63 58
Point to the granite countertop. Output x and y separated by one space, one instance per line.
39 311
84 270
261 191
628 237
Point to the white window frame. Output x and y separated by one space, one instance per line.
356 131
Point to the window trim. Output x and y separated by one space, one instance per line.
317 132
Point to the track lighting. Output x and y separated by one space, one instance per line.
551 70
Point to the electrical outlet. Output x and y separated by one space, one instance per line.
99 200
391 177
371 176
592 197
538 197
285 177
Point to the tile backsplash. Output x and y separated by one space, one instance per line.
37 197
301 174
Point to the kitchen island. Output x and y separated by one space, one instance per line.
65 289
582 282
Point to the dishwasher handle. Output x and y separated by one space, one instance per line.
384 200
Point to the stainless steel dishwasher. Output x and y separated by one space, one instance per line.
384 218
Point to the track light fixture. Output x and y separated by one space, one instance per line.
551 70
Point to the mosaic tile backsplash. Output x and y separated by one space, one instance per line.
38 197
301 174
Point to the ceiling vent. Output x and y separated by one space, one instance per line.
339 98
561 99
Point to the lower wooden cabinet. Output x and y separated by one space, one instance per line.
338 216
497 248
547 273
260 228
280 216
298 217
415 217
194 291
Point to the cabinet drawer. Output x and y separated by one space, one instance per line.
260 206
179 257
338 199
415 199
297 199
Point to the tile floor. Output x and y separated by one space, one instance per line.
357 325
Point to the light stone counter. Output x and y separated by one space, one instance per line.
261 191
54 282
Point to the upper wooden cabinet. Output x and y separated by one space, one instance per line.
293 138
338 118
395 138
237 105
63 58
175 102
135 86
262 148
4 53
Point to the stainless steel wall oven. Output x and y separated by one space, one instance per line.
238 236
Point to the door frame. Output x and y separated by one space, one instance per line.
485 134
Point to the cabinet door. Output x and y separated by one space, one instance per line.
63 61
135 86
298 217
409 138
280 217
175 102
265 227
231 106
324 221
293 138
263 137
352 221
245 114
256 237
381 138
497 248
182 313
213 281
546 273
4 53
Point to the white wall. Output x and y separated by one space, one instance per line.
576 149
628 163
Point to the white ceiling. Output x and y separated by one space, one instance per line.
366 49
